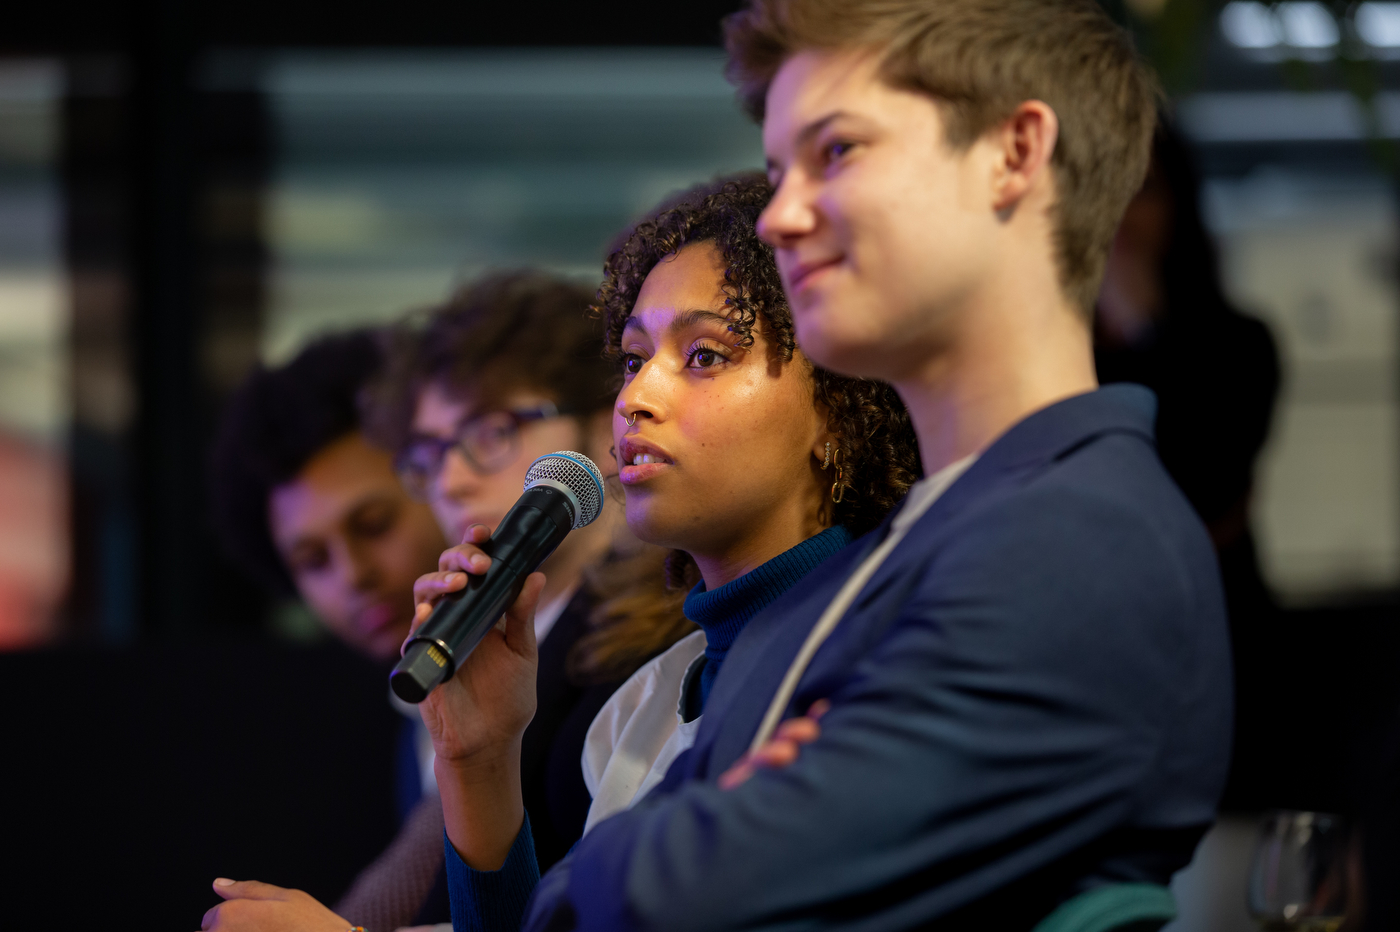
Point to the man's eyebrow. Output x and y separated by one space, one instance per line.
805 135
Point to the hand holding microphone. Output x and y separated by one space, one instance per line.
485 697
563 491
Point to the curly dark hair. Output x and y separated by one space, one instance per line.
878 448
274 424
504 332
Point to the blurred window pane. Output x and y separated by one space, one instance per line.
399 175
1313 255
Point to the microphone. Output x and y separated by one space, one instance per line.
563 491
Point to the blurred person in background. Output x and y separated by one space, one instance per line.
1163 320
311 508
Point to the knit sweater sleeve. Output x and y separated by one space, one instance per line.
492 901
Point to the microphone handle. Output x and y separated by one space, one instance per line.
524 539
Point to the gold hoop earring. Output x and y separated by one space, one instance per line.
838 488
827 462
633 419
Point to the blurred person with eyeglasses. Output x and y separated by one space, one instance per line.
510 368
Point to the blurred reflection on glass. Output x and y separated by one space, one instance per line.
34 407
1299 876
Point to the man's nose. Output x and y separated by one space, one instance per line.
358 569
789 214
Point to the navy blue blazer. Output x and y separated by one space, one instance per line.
1032 696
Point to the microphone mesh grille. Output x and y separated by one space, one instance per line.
579 474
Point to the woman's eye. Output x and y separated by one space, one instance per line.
631 364
705 358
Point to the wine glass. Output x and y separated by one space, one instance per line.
1298 880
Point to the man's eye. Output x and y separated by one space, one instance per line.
631 364
375 521
308 560
835 151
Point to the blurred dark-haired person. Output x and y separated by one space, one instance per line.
309 506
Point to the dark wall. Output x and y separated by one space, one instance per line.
87 25
133 778
1316 691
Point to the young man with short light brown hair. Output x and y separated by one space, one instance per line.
1025 671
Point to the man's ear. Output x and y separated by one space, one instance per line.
1025 143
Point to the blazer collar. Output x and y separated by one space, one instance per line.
1054 431
1051 433
1041 438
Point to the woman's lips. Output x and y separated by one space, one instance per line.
635 475
632 452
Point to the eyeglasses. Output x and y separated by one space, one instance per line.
488 442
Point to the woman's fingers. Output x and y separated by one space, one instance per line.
430 587
464 557
468 555
248 890
476 534
454 566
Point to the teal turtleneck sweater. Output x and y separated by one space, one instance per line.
724 612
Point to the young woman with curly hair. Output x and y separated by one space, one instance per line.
751 465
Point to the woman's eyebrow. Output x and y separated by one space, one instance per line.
682 321
687 319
